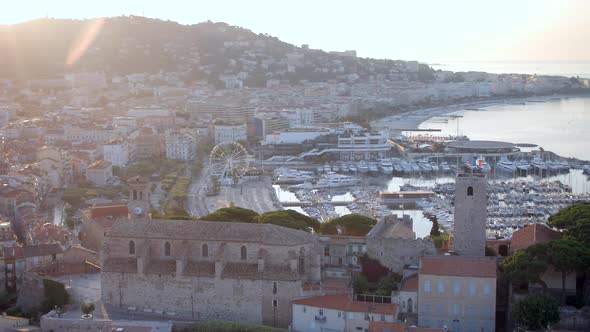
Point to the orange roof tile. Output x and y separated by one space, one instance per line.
479 267
410 284
532 234
343 302
377 326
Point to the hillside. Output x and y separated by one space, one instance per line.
124 45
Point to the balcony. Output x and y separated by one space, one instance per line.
320 318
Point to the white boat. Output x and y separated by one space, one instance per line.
504 164
425 166
304 185
373 168
435 167
333 180
327 168
294 176
335 168
363 167
353 168
522 165
445 167
386 166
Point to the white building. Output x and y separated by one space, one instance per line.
99 173
300 117
119 152
230 133
339 312
180 145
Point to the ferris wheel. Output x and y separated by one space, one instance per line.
228 161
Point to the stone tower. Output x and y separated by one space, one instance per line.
139 197
470 214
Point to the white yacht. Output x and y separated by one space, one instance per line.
386 166
353 168
363 168
294 176
333 180
373 168
504 164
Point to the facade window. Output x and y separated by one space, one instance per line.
486 289
472 289
339 314
456 287
131 248
326 251
167 249
469 191
134 194
243 253
427 286
53 257
441 286
274 303
367 317
321 311
205 250
274 287
456 309
304 309
350 315
382 317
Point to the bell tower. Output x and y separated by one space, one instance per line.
470 214
139 197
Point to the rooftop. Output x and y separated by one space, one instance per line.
473 145
211 231
459 266
532 234
101 164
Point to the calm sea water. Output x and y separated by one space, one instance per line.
561 68
561 126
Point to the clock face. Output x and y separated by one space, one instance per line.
137 210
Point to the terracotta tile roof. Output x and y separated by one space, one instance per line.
211 231
410 284
101 164
532 234
377 326
343 302
32 251
479 267
115 210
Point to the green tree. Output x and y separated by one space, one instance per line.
574 221
360 284
536 312
567 256
388 284
435 230
524 266
87 308
233 213
350 224
290 219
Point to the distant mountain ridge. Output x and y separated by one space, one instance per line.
133 44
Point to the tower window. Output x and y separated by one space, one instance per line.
131 248
167 249
274 287
205 250
134 194
141 195
469 191
243 253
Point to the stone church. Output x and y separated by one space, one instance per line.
208 270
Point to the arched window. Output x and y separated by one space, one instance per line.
205 250
469 191
167 249
134 194
131 248
410 305
141 195
243 253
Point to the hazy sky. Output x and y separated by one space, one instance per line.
434 31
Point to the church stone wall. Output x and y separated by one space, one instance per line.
394 253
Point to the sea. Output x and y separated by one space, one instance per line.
559 68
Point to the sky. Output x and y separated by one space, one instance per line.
433 31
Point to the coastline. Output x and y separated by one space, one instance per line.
411 120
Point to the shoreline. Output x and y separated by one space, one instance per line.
411 120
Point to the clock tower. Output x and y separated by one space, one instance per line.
139 198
